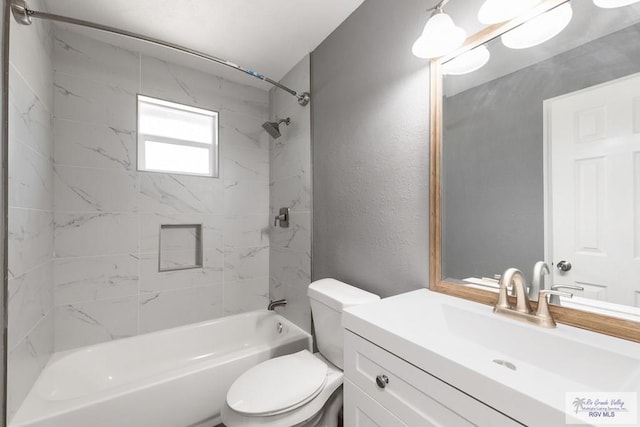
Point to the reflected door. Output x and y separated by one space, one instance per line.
594 140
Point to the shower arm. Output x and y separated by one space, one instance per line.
23 15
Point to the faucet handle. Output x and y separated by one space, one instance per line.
575 288
545 292
503 300
543 306
555 299
282 217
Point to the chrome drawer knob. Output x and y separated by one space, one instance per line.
382 381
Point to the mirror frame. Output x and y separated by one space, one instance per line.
608 325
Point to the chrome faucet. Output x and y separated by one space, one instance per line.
537 283
273 304
522 310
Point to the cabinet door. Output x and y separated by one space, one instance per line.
411 394
360 410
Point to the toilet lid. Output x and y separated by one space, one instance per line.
278 385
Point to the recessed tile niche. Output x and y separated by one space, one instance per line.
180 247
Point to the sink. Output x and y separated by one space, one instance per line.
552 358
522 370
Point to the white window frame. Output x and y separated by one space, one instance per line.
144 137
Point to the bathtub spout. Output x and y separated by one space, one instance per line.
273 304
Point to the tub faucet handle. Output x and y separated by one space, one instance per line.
282 218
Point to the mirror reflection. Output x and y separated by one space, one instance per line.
541 159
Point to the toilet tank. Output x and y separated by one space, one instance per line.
328 298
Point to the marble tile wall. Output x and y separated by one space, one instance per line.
30 232
108 215
290 186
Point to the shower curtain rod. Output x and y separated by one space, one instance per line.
23 15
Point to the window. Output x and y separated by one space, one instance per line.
176 138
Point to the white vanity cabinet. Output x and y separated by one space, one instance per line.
381 389
451 362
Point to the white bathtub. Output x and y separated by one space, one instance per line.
173 378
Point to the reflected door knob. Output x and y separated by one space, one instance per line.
564 266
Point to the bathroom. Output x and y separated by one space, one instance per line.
98 251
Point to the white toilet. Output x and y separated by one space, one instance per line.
300 389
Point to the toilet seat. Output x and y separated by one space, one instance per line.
278 385
292 417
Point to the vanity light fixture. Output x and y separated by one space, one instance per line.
539 29
440 35
610 4
467 62
495 11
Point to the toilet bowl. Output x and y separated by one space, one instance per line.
300 389
286 391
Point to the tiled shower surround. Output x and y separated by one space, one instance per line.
30 231
84 224
108 215
290 182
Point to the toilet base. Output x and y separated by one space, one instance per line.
328 416
331 412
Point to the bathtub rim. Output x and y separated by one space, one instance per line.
61 354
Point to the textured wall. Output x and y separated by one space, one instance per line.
30 264
370 121
494 189
290 182
107 215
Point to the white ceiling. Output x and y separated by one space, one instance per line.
267 36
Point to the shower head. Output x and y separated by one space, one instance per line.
273 128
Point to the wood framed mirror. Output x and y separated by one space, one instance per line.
597 320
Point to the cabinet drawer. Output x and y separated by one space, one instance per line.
360 410
411 394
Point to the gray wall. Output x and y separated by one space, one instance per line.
370 151
370 121
493 156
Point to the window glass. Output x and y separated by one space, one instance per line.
176 138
